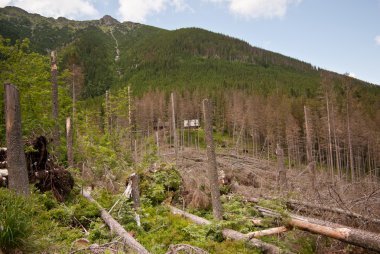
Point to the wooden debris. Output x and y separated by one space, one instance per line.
185 248
263 246
229 233
365 239
117 228
265 232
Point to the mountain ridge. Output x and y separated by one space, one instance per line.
151 55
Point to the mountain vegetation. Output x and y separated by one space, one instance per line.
115 82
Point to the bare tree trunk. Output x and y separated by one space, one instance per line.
309 149
69 142
331 162
54 83
74 97
157 142
108 113
281 179
365 239
136 197
16 162
175 135
351 167
212 169
337 150
135 191
263 246
265 232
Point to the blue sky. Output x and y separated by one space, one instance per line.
338 35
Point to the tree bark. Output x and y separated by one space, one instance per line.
351 155
135 191
229 233
309 149
108 122
16 162
69 142
365 239
331 162
212 168
294 204
281 178
192 217
263 246
175 135
265 232
117 228
54 84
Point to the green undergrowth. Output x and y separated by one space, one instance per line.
160 229
39 223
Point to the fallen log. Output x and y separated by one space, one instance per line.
265 232
299 205
116 227
229 233
294 204
196 219
361 238
263 246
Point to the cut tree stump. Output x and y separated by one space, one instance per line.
116 227
229 233
361 238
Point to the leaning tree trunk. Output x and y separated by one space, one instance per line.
16 162
212 169
54 84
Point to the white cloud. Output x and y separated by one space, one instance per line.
252 9
139 10
53 8
377 40
4 3
352 75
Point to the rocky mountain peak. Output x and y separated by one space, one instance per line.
108 20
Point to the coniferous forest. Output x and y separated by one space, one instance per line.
123 154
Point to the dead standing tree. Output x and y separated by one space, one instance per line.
54 87
17 172
281 178
175 136
309 148
212 170
69 142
